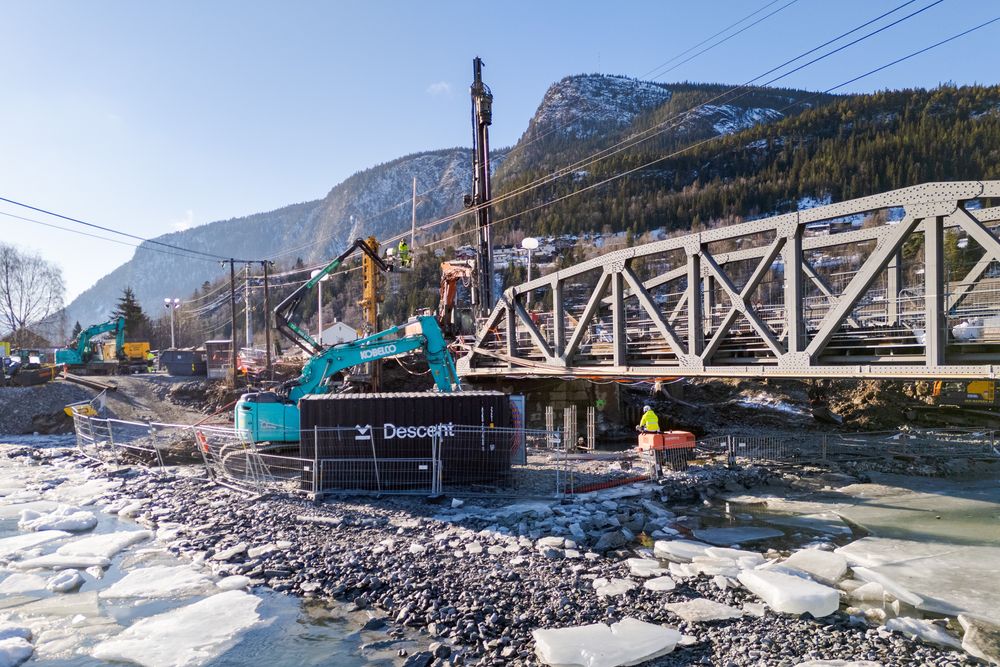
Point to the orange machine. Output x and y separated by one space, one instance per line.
668 447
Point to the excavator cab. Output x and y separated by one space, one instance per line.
266 416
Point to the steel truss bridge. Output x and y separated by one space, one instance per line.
904 284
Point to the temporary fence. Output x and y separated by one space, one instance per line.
459 460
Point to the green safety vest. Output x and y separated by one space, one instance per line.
649 421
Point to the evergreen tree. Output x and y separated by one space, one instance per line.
136 321
76 330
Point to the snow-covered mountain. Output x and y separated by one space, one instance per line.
375 201
575 114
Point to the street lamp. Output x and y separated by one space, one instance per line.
172 305
319 302
529 243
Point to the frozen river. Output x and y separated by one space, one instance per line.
93 586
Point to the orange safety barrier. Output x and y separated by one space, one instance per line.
665 440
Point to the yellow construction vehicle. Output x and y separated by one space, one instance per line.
974 403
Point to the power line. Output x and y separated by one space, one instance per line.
716 138
677 119
708 39
726 39
102 238
109 229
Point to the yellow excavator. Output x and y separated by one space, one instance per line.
974 403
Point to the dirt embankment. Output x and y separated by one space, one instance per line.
707 407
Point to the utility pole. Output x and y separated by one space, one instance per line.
482 118
232 310
267 321
413 219
246 297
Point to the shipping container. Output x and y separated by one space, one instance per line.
386 441
183 362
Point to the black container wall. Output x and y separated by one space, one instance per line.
380 450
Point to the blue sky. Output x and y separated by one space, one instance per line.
149 117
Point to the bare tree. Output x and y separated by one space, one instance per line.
31 292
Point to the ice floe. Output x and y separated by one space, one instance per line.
14 651
612 587
64 517
65 581
679 550
627 642
825 566
106 545
60 562
926 631
189 635
659 584
10 546
20 582
791 595
727 536
159 581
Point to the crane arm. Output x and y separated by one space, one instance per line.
285 310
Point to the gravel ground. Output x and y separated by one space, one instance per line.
476 593
25 410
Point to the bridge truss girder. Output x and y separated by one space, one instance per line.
760 299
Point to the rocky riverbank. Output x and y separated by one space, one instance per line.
477 580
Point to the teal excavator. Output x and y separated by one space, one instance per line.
79 356
273 416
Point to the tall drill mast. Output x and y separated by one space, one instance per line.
482 118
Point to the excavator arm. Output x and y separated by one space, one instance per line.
81 344
274 416
285 311
421 333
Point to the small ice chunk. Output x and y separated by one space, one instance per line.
189 635
825 566
645 567
551 541
726 536
159 581
870 592
417 548
926 631
65 581
659 584
95 572
746 559
12 545
262 550
981 638
233 583
64 517
683 570
754 609
14 651
727 567
628 642
106 545
232 551
59 562
891 587
611 587
474 548
679 550
20 582
791 595
703 610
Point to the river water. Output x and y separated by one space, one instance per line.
68 626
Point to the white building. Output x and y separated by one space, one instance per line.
338 332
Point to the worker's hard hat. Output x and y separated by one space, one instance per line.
646 408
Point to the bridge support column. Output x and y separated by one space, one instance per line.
558 320
708 304
792 257
935 300
696 332
618 318
893 283
511 329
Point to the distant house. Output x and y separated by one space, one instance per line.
338 332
